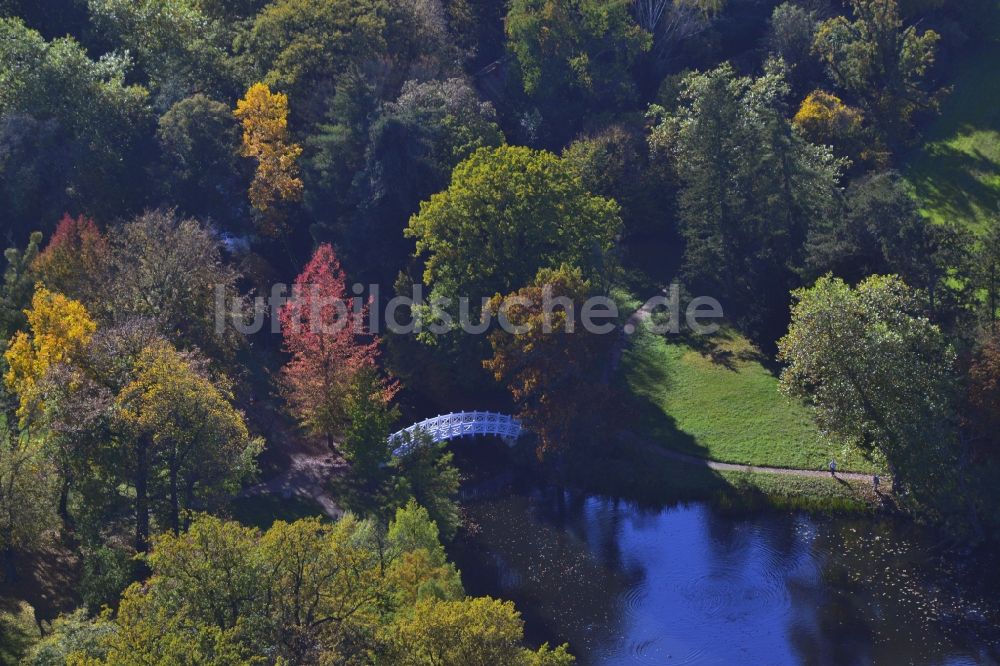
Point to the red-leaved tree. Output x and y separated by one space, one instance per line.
326 338
75 260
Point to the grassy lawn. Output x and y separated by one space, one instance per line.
719 401
956 173
630 472
809 494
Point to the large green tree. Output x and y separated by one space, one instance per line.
878 376
309 48
615 163
71 128
413 146
745 213
199 168
368 487
314 51
790 36
508 212
180 47
477 632
882 62
185 426
574 55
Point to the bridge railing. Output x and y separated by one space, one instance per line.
454 425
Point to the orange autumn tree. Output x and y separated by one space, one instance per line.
265 138
325 337
550 364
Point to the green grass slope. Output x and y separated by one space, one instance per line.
956 173
720 401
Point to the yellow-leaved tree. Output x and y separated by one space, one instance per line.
824 119
265 138
60 329
189 447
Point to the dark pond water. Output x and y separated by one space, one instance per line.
688 584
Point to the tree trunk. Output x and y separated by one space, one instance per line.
64 501
970 495
897 485
9 570
993 297
141 496
189 502
175 510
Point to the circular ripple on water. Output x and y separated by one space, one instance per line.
633 599
730 593
652 651
710 594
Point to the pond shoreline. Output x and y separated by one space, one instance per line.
683 580
637 470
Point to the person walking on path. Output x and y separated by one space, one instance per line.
875 482
833 468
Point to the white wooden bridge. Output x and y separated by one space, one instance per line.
452 426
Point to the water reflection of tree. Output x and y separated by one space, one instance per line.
520 552
840 591
887 595
594 522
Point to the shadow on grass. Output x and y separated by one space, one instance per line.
717 348
631 471
635 466
46 584
948 181
724 358
627 469
642 416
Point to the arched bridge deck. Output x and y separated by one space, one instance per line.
461 424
